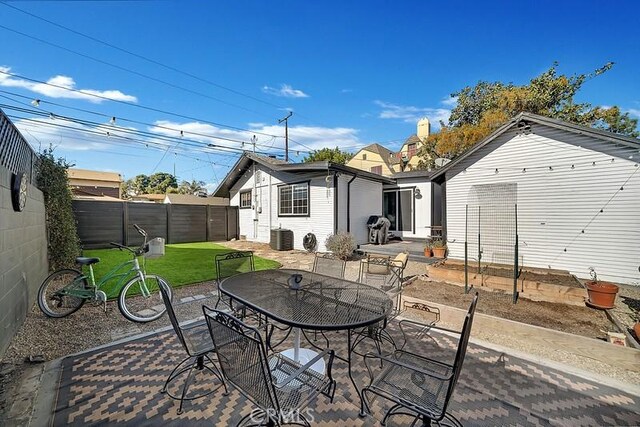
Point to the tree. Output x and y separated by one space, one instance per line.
63 243
193 187
483 108
334 155
160 182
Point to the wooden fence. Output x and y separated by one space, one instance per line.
100 223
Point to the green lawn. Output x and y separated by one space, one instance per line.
182 264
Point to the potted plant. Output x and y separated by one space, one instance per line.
427 249
601 294
439 247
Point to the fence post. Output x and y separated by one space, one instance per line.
479 247
125 223
466 259
515 260
169 219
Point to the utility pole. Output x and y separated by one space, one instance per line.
286 135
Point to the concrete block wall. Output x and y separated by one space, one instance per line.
23 257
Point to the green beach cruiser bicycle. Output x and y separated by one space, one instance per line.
66 290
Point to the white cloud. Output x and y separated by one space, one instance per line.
634 112
449 101
411 114
300 137
285 91
62 87
346 91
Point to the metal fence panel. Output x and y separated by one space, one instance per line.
99 223
187 223
152 217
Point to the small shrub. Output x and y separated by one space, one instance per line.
341 245
438 243
62 236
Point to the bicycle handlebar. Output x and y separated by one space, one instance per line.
136 252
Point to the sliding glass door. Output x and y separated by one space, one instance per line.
398 208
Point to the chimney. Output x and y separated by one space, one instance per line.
423 129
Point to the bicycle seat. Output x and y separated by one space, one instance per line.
86 261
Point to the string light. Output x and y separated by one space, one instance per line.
113 120
35 102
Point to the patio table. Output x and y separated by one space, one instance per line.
320 302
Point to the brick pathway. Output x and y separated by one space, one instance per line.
122 383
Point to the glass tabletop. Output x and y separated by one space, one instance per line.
321 302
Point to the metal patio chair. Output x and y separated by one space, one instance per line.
382 273
418 385
229 264
197 343
277 385
328 264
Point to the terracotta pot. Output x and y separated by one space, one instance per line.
601 294
636 330
439 252
427 252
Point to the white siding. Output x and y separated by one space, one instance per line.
366 200
319 222
421 206
555 205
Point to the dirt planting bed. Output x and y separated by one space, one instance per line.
572 319
564 279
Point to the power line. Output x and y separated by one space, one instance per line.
182 132
125 69
131 104
193 76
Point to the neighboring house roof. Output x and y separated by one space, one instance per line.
151 197
190 199
526 118
413 139
387 155
247 159
96 198
91 175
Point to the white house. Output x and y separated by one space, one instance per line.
319 197
577 192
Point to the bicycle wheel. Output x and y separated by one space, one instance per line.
140 302
52 299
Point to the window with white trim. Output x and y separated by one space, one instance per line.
293 199
245 199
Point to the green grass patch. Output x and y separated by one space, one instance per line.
182 264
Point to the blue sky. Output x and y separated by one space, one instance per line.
353 73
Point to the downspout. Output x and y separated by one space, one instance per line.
349 202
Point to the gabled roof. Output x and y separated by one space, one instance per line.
190 199
387 155
246 160
546 121
413 139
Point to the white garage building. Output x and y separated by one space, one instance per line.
577 192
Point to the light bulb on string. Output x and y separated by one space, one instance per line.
113 120
35 102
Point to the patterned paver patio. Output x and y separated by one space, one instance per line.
121 384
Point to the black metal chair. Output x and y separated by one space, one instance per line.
197 343
328 264
229 264
384 274
277 385
419 385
